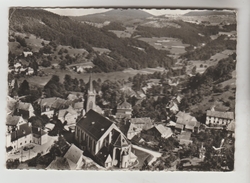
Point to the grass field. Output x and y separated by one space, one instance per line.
175 46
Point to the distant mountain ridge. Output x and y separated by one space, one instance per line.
208 13
114 15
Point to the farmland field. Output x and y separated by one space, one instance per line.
113 76
175 46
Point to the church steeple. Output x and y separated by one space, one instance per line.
91 96
90 83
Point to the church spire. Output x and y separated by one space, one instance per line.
90 83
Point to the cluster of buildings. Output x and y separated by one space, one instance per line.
105 143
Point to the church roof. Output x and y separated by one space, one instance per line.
103 154
119 140
94 124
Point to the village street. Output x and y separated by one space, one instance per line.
23 155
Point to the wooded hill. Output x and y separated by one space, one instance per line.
64 31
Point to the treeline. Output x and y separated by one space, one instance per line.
130 57
211 48
114 26
188 32
66 31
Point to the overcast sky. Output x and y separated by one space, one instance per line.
79 12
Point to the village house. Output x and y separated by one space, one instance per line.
186 122
185 137
160 131
69 116
49 127
231 128
102 138
11 105
217 118
39 136
142 123
133 131
49 105
173 107
25 110
72 160
20 137
124 110
25 134
30 71
79 108
27 53
12 122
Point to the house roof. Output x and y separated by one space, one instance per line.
185 135
60 163
54 102
94 124
72 97
11 105
23 130
186 119
12 120
38 131
50 126
124 105
179 126
164 131
218 114
23 106
78 105
73 154
231 126
146 122
140 120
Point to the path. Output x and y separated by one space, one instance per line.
153 153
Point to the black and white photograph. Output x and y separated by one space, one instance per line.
116 89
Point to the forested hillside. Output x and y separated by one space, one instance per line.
65 31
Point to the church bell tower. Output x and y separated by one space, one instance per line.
91 96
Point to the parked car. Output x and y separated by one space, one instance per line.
26 148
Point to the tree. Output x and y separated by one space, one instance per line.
24 88
62 65
194 70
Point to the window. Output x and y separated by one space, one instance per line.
30 141
20 144
25 142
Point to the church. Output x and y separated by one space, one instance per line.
101 137
104 141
